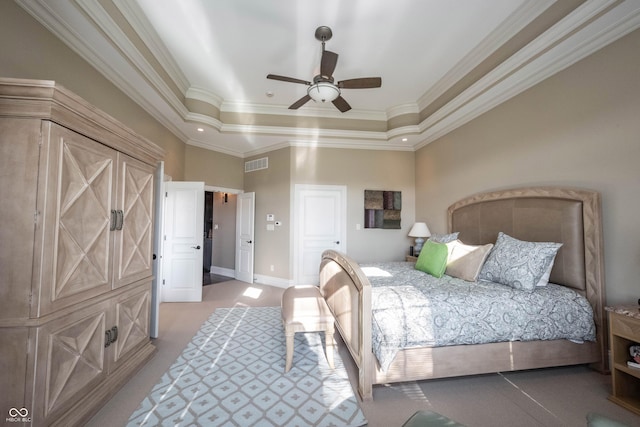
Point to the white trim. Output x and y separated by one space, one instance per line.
227 272
138 21
272 281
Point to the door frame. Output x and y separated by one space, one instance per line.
295 223
216 189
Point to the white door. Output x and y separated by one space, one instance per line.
244 236
320 218
183 234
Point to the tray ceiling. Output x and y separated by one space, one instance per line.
202 64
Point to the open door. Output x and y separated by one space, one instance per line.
158 234
183 241
245 212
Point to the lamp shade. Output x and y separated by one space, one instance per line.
323 92
419 229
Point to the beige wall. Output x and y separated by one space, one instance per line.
357 170
363 170
272 190
580 128
30 51
213 168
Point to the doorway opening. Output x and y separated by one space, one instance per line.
218 263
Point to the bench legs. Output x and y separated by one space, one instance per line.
329 344
289 359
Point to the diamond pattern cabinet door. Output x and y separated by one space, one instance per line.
70 360
132 319
134 242
76 218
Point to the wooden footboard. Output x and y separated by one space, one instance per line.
348 294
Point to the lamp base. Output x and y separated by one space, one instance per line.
418 247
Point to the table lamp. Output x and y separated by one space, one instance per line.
419 231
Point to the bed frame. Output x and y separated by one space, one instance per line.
569 216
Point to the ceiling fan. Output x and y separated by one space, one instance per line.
323 88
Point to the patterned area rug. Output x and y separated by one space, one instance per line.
232 374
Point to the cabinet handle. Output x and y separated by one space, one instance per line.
120 219
114 334
112 225
107 338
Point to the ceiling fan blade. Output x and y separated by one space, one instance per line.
361 83
300 102
341 104
328 63
287 79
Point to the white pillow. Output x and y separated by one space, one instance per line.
466 261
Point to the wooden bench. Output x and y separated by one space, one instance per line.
305 310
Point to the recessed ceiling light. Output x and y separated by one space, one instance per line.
405 139
269 94
200 129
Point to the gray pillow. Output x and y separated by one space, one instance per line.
517 263
443 238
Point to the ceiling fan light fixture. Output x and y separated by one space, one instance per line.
323 92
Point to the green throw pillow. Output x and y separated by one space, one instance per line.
433 258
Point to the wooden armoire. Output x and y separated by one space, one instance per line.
76 248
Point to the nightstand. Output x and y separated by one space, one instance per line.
624 331
411 258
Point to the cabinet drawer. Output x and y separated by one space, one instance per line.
625 326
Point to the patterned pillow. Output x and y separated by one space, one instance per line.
433 258
517 263
443 238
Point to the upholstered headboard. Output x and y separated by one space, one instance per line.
543 214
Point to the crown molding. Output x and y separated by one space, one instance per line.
132 13
400 110
574 40
216 148
106 24
498 37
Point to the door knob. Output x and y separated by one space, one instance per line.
196 247
337 242
249 241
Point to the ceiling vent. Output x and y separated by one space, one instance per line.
256 165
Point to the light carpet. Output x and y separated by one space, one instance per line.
232 374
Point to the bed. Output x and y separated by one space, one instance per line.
568 216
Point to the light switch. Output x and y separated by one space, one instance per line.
270 217
270 227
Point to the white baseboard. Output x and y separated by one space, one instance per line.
228 272
272 281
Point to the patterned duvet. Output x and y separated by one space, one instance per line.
415 309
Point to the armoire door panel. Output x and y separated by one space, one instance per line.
77 243
71 357
134 239
132 321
